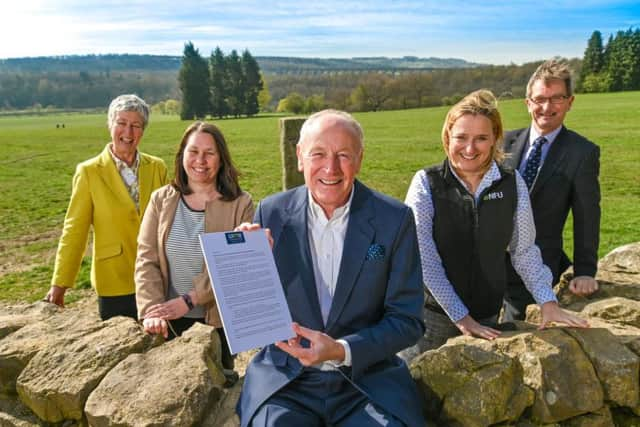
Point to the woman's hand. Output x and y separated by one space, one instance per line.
173 309
551 312
155 325
471 328
56 295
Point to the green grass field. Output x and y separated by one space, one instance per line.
37 161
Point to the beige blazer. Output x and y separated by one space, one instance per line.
152 270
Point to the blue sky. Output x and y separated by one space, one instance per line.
496 32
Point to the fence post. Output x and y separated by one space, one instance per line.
289 134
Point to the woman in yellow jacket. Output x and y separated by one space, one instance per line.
110 193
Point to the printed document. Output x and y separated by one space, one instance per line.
247 288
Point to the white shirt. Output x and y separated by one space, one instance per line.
326 242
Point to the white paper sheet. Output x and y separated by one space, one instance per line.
247 288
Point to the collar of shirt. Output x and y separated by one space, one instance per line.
317 216
533 135
121 165
493 174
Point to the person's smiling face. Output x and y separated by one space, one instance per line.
126 132
470 140
548 104
201 160
330 159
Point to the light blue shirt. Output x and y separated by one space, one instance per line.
525 255
533 135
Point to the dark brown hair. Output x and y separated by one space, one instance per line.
227 178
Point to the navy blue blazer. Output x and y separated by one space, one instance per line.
568 180
376 307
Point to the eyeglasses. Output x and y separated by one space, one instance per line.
555 99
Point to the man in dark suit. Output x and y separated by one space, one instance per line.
561 169
349 264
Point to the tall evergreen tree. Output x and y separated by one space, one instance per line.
218 78
234 84
193 80
264 97
616 53
593 61
252 83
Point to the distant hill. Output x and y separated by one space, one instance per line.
268 64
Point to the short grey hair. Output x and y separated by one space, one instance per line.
128 102
553 69
344 118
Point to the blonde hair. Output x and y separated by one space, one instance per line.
481 102
550 70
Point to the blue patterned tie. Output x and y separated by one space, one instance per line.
533 162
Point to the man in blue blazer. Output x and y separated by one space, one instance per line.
349 264
561 169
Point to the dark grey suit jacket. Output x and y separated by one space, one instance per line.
377 306
568 180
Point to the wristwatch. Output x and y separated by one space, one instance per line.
187 300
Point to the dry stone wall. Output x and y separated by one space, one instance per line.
65 367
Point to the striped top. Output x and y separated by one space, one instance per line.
183 253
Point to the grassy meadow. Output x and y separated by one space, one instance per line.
37 161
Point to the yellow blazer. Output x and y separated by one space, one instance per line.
100 199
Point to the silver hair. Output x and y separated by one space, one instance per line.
128 102
345 119
550 70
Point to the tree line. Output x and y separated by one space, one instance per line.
225 85
614 66
233 85
373 91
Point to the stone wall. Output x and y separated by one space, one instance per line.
65 367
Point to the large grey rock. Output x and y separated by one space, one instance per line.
57 381
608 287
171 385
556 368
618 310
224 413
617 367
465 383
623 259
600 418
17 349
14 414
622 417
13 318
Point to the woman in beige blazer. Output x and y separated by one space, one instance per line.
110 193
172 287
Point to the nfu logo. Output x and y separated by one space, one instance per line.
493 196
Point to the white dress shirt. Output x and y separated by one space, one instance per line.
326 242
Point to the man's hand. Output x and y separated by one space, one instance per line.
155 325
551 312
322 347
56 295
173 309
245 226
468 326
583 285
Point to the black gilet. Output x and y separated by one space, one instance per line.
472 239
